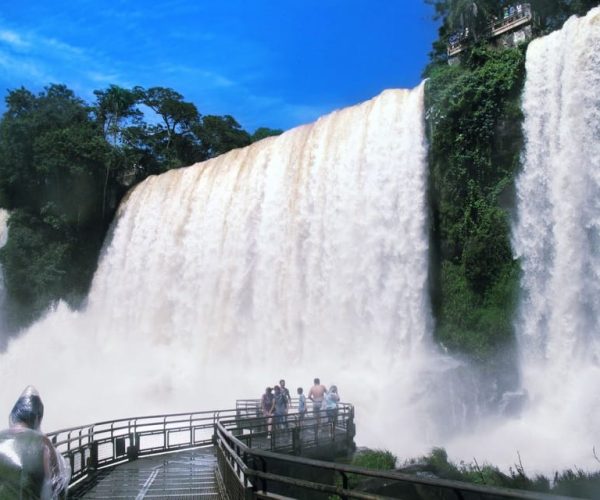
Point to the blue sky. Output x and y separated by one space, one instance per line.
267 63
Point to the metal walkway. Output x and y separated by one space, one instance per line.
186 474
241 455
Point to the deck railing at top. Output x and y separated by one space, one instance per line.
519 15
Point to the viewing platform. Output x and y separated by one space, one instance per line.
515 25
228 454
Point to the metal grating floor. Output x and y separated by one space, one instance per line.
188 474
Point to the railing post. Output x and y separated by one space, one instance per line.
264 469
350 428
296 441
344 483
165 433
93 459
133 450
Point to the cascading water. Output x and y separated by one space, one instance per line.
4 214
557 239
306 255
557 236
301 256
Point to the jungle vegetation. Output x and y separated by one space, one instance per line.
474 124
65 164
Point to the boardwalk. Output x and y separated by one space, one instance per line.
187 474
211 454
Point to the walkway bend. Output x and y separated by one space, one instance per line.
230 454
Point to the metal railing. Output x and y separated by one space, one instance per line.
90 447
253 462
293 433
250 465
519 15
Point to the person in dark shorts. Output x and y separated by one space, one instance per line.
267 405
281 406
316 395
301 405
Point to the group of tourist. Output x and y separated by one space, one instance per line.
276 403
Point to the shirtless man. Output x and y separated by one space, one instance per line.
316 395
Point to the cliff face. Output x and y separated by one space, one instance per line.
474 126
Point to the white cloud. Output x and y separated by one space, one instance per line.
29 58
23 70
12 38
102 77
204 78
62 47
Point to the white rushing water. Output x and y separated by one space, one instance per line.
558 233
301 256
306 255
4 215
557 239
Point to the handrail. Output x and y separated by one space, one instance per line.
234 450
521 14
244 467
90 447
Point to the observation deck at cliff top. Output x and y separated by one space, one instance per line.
516 19
229 454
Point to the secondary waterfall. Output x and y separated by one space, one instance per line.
557 236
4 214
301 256
557 239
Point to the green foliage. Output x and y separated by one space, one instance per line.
264 132
370 459
575 483
456 15
220 134
474 122
64 167
437 462
45 259
474 118
375 459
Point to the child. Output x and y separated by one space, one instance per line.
301 404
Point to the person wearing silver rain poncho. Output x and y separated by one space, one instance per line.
30 467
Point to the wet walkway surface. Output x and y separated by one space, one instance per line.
187 474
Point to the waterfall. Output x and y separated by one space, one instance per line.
301 256
557 236
4 214
557 239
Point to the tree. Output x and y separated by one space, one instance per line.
219 134
52 159
64 166
114 106
264 132
42 139
175 134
